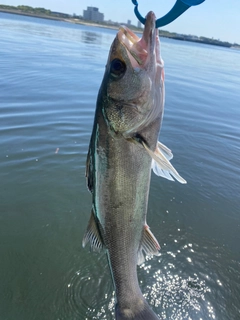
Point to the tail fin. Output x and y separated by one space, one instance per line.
144 313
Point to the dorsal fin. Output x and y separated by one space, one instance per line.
93 235
89 170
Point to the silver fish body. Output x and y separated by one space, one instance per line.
123 145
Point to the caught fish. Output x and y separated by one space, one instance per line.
123 148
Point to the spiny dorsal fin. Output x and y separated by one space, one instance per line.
93 235
149 245
161 165
88 174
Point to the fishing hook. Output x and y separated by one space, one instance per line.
179 7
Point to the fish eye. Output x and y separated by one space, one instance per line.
117 68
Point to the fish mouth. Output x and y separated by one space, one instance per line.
140 50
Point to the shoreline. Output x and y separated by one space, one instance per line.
162 33
34 15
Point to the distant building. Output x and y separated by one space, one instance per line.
60 14
129 22
191 37
93 14
139 25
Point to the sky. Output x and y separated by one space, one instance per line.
218 19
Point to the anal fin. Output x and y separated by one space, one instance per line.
93 235
149 245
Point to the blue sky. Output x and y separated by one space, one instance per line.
219 19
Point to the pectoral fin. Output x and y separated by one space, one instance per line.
161 165
165 150
149 245
93 235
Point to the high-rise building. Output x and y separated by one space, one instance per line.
139 24
93 14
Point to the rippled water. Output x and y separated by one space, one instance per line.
50 73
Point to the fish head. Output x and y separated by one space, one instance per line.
133 84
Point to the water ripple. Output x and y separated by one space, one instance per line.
85 290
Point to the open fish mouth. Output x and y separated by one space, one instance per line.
140 50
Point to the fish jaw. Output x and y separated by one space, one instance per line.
135 99
143 52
